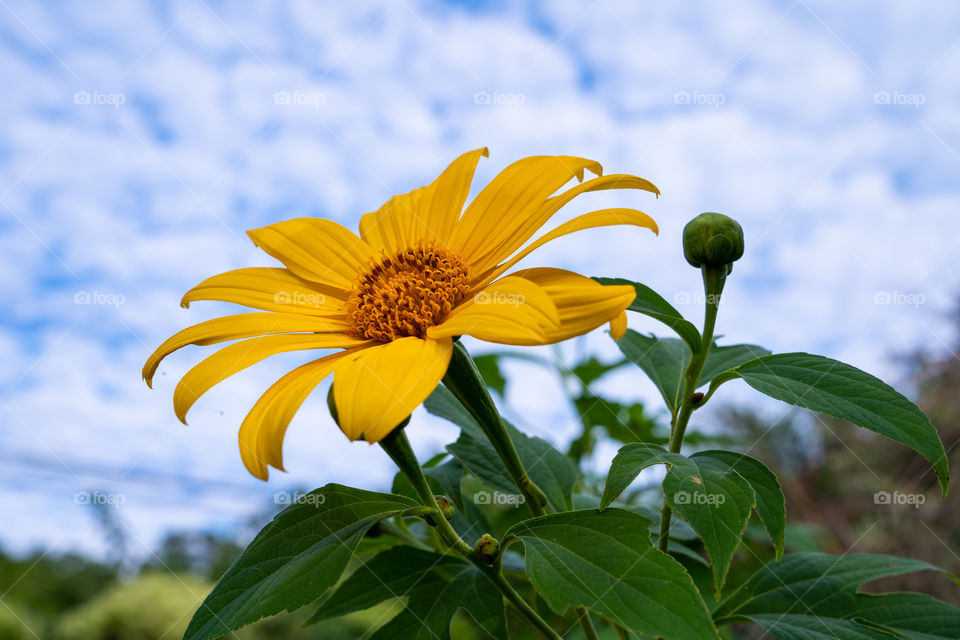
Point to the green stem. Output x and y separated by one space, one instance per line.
464 381
398 448
589 631
713 281
622 634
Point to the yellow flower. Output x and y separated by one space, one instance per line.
393 299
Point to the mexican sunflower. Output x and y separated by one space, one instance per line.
394 298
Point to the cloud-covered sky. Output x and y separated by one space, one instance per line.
140 140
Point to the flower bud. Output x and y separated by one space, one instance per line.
712 239
487 548
446 507
332 406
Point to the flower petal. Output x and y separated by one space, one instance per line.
443 201
518 229
243 325
316 249
427 213
601 218
271 290
376 388
390 228
508 311
240 355
583 304
262 431
510 199
618 326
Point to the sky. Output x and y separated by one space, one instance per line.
142 139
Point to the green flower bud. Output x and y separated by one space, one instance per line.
487 548
332 406
712 239
446 507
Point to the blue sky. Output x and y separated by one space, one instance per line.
141 140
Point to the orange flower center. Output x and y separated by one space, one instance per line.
408 293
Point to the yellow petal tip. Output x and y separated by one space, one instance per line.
618 326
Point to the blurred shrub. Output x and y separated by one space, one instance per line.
158 606
16 624
154 607
49 584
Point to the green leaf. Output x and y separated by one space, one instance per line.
591 370
548 468
787 586
552 471
443 404
489 367
433 588
717 502
607 562
664 360
294 559
650 303
721 359
707 493
679 549
913 615
629 462
845 392
622 422
795 627
813 596
771 505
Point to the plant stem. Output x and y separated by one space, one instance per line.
464 381
398 448
622 634
713 281
589 631
466 384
